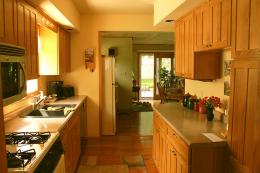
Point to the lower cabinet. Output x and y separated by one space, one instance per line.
172 154
70 137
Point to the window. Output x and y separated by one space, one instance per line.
32 86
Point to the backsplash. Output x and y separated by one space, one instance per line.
214 88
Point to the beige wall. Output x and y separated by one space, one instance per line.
216 88
86 82
123 67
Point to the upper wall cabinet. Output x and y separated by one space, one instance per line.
190 64
64 51
27 37
212 21
245 28
8 21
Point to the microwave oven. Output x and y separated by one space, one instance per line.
13 77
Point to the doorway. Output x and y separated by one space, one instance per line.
150 65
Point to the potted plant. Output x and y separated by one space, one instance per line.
166 78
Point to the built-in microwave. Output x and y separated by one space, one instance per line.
13 77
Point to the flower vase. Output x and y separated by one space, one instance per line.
202 109
210 115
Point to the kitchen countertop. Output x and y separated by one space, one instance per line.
20 124
189 124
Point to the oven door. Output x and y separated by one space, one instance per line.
60 168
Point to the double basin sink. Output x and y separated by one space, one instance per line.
52 111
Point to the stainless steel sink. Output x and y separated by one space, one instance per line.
51 111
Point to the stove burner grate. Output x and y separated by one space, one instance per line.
27 138
20 159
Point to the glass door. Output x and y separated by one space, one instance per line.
162 59
146 77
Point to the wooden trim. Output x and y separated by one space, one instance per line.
3 161
99 56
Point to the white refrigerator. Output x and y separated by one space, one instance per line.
109 97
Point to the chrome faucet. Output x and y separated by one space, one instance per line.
37 100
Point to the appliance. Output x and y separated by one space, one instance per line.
36 152
54 88
12 73
67 91
109 97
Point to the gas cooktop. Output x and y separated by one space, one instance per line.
23 149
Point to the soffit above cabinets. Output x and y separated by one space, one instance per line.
134 7
65 13
143 37
173 10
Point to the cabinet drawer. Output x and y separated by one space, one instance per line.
181 147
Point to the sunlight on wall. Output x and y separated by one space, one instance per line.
32 86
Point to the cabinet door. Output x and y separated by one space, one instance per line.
182 166
64 51
202 27
171 160
156 142
206 26
188 63
162 152
244 124
220 25
27 37
179 30
245 28
8 21
70 137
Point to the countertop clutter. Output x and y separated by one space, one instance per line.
32 141
20 124
189 124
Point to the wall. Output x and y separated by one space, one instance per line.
123 67
86 82
216 88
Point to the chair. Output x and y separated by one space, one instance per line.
171 94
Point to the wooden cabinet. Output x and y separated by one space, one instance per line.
173 155
27 37
184 47
3 160
171 159
64 51
245 28
212 25
190 64
244 124
8 21
70 137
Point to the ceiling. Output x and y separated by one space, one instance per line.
114 6
143 37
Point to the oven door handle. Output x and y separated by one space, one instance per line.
23 76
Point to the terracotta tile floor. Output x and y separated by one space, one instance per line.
131 146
